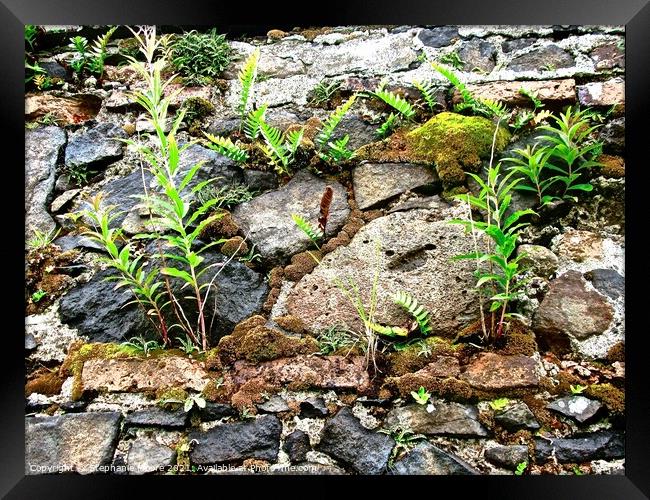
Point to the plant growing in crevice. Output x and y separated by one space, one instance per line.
421 396
521 468
140 344
323 92
399 104
41 239
313 232
427 90
335 338
199 57
334 151
92 57
453 59
405 439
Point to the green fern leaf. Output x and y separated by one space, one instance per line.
252 122
312 232
419 313
389 331
225 146
388 126
274 147
325 135
294 139
427 92
395 101
247 77
466 95
99 45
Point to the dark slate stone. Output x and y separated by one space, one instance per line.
608 282
345 439
157 417
478 54
313 408
360 131
517 44
507 456
259 438
613 136
216 411
577 407
438 37
98 145
54 69
259 181
71 242
446 418
543 57
515 416
224 126
297 445
427 459
604 445
98 310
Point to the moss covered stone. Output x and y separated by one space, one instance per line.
416 356
196 109
450 141
612 397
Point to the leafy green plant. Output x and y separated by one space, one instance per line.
419 313
37 296
251 256
422 396
532 162
577 471
279 148
91 57
247 76
252 122
334 338
404 439
427 90
396 102
142 345
499 404
521 468
42 82
453 59
225 146
193 400
328 150
187 345
323 92
578 389
227 196
199 57
388 126
313 233
41 239
32 70
30 35
78 174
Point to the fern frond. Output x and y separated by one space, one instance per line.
99 45
426 89
388 126
294 139
252 122
410 304
225 146
247 77
312 232
533 97
395 101
468 99
338 149
274 147
324 136
491 108
389 331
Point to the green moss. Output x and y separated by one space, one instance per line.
196 109
612 397
215 391
416 356
172 393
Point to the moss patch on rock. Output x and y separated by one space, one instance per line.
252 341
612 397
416 356
44 381
450 141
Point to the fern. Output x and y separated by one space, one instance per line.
390 331
294 139
410 304
252 122
324 136
338 150
247 77
467 96
395 101
98 52
388 126
426 89
225 146
274 147
533 97
312 232
491 108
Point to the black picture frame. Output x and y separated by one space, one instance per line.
235 18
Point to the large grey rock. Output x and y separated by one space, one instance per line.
259 438
375 183
570 310
478 54
507 456
577 407
516 415
447 418
605 445
297 446
538 260
613 136
146 455
437 37
98 145
416 253
358 130
157 417
550 57
345 439
267 218
101 313
77 442
607 282
216 411
42 148
427 459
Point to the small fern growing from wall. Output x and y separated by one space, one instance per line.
313 233
336 151
394 101
247 77
419 313
225 146
252 122
427 91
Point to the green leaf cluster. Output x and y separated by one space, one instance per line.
200 57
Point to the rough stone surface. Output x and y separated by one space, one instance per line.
427 459
478 54
607 282
79 442
126 375
70 242
147 455
216 411
360 131
345 439
157 417
613 136
313 408
275 404
62 200
577 407
297 445
492 371
447 418
267 218
568 310
42 149
516 415
439 36
547 57
579 246
550 92
259 438
606 93
608 56
71 110
99 144
539 260
507 456
599 445
420 264
330 372
375 183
